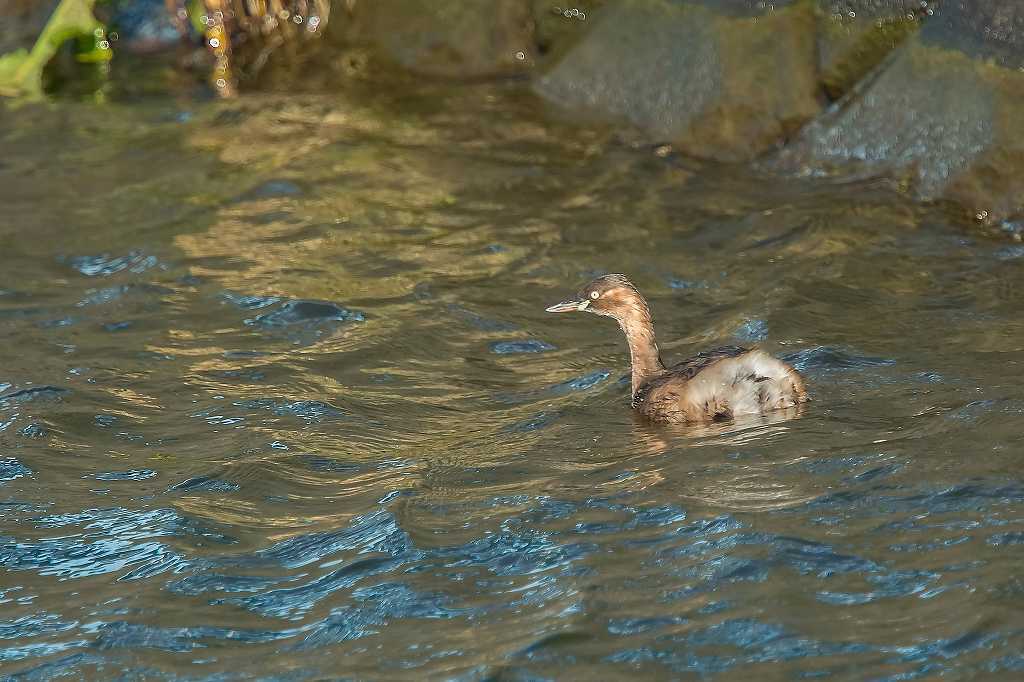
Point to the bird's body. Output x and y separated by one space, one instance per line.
712 385
720 384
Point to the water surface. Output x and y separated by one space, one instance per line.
279 400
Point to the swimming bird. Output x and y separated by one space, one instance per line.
713 385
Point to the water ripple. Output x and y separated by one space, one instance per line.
105 265
33 394
824 358
223 468
305 312
11 469
514 347
310 411
111 541
377 531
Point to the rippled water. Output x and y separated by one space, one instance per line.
279 400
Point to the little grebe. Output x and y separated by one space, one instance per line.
712 385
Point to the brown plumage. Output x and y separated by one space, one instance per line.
712 385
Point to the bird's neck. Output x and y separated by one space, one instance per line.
643 349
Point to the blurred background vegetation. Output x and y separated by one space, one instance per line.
74 40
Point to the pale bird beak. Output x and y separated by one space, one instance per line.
568 307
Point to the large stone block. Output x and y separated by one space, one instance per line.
454 38
726 79
558 26
946 114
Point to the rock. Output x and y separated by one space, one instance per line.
944 113
718 78
454 38
854 36
558 26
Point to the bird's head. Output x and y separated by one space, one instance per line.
609 295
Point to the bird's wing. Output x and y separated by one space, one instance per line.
691 366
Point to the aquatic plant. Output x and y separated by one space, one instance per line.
21 72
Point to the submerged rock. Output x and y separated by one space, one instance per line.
944 114
720 79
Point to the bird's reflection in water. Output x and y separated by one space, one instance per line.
657 439
732 485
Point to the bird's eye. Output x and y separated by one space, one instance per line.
594 295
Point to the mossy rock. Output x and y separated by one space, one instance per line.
559 26
949 123
449 38
717 79
854 36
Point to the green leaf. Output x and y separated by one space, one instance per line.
21 72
